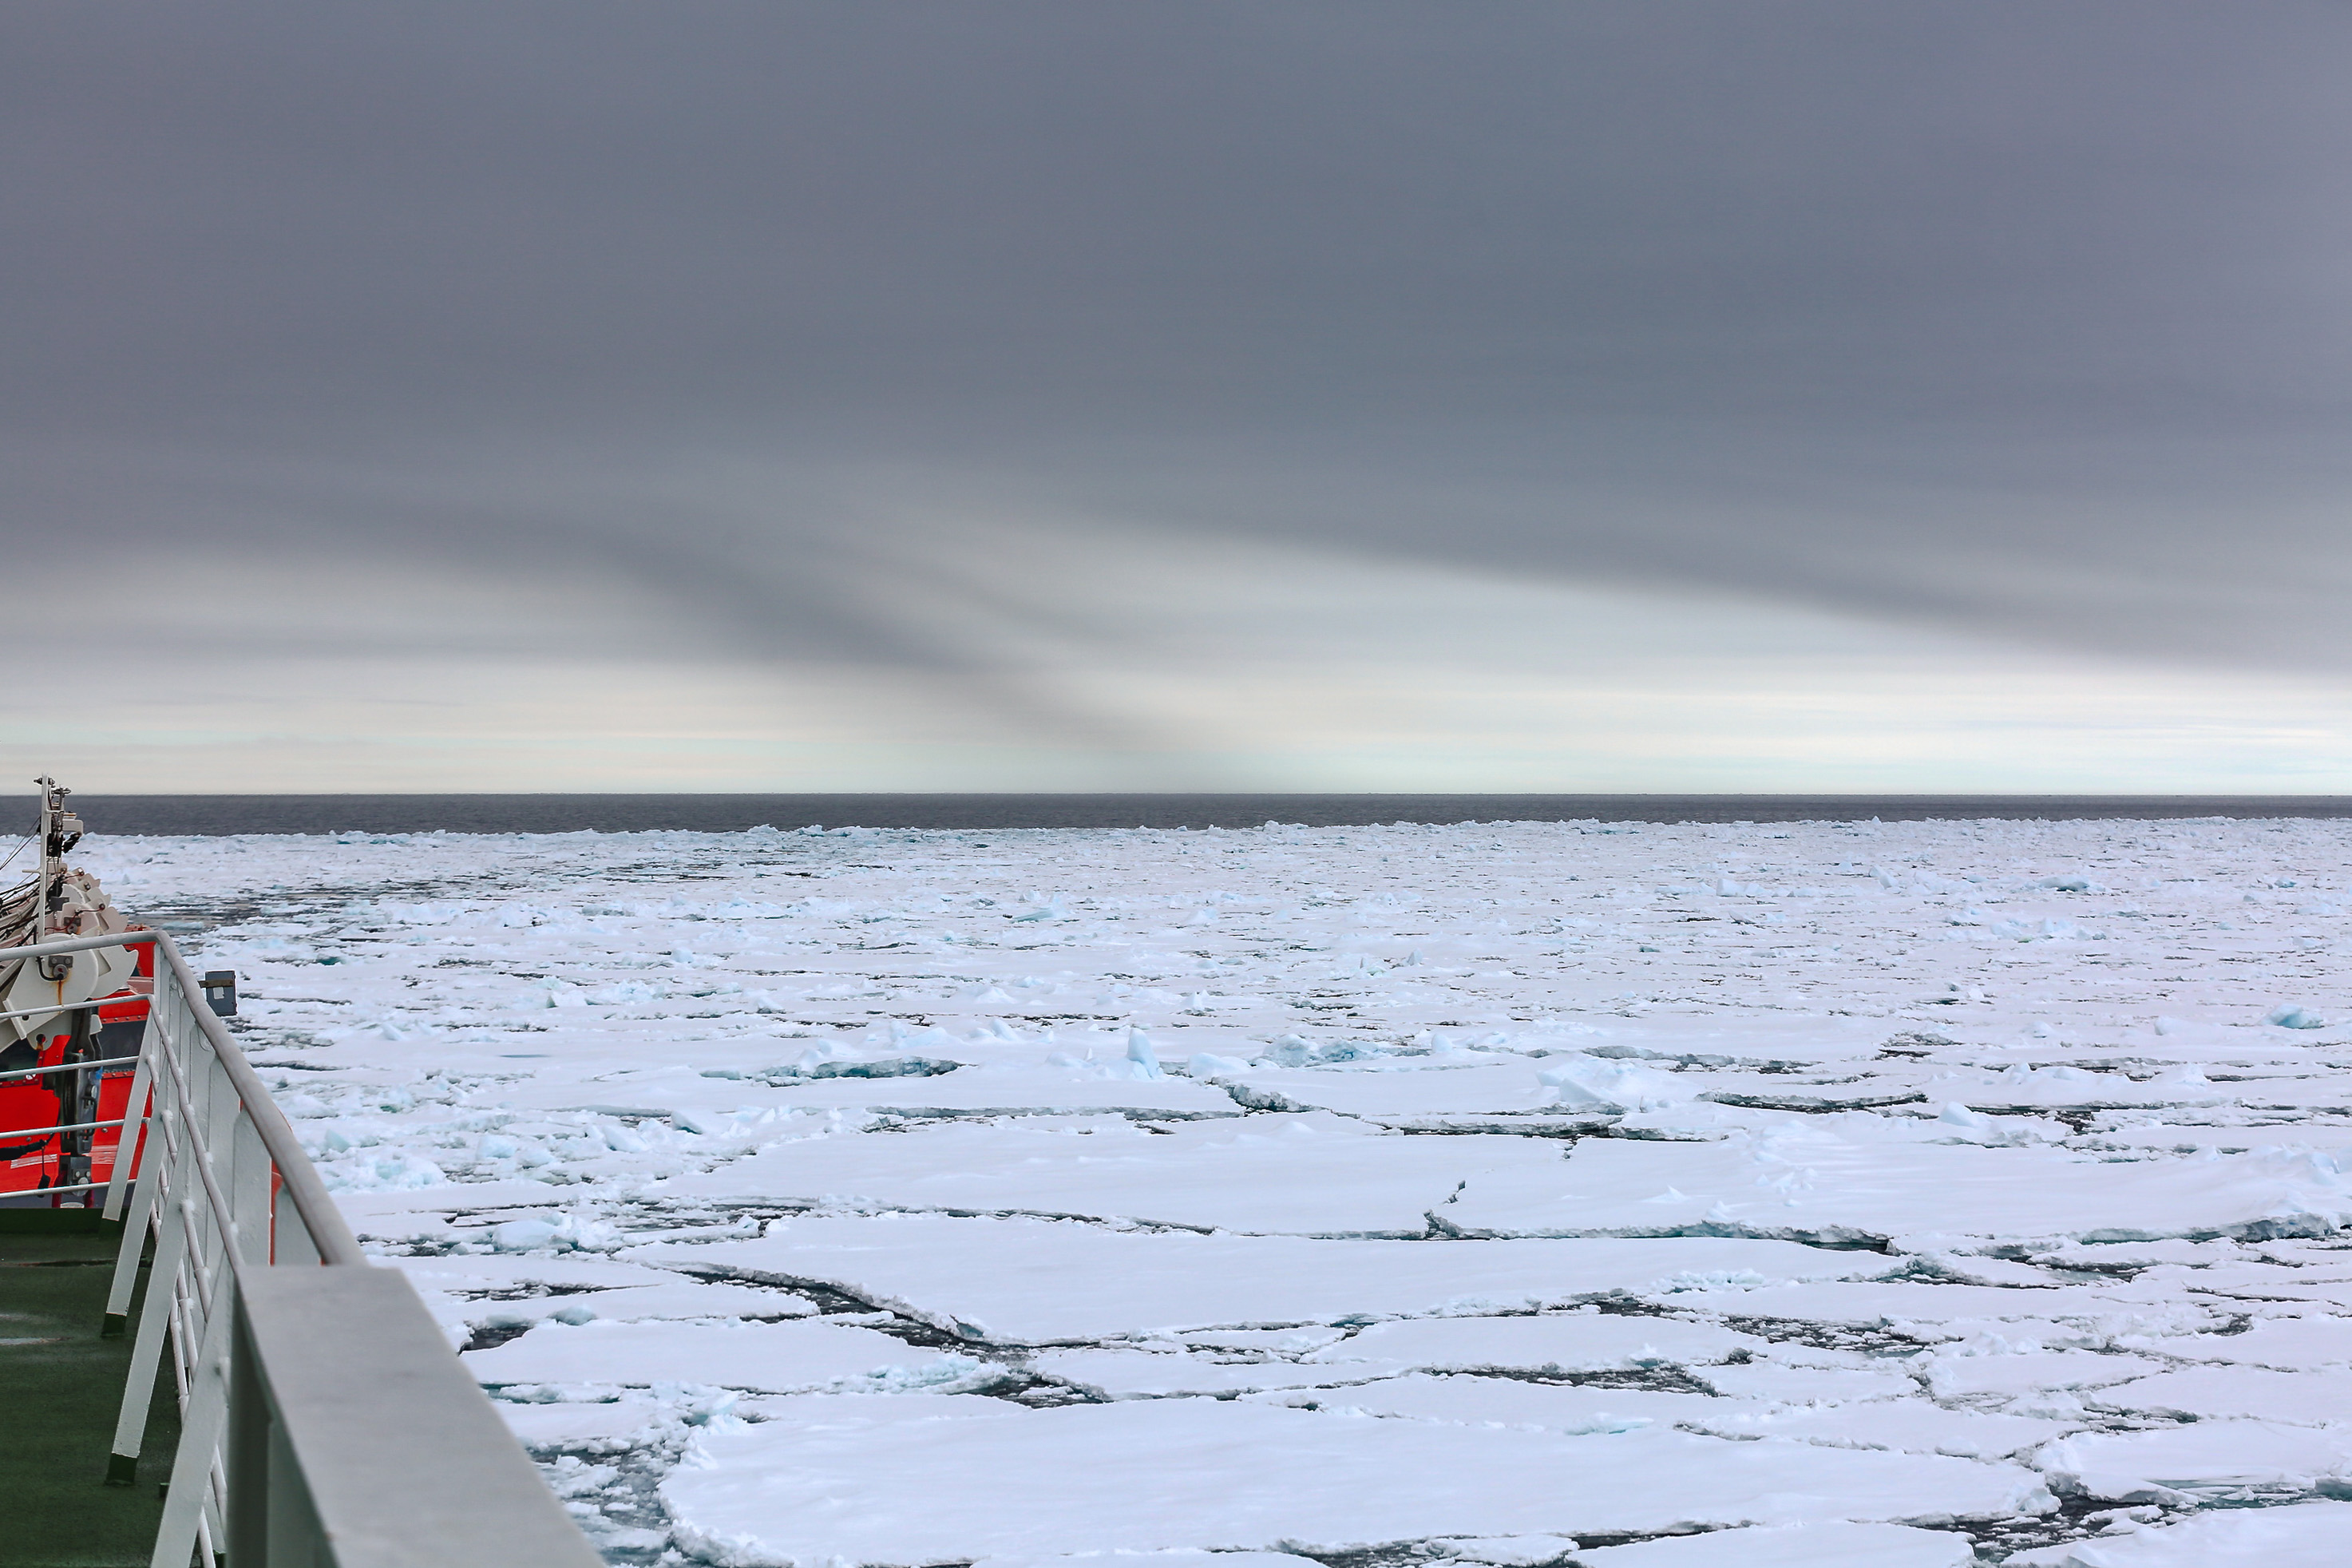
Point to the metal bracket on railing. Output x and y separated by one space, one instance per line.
220 992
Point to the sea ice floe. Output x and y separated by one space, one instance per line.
2201 1392
1314 1174
1940 1311
1908 1425
1801 1181
1144 1475
1160 1374
1562 1408
2227 1460
992 1088
1803 1377
591 1426
675 1299
1553 1343
2058 1105
772 1357
1958 1373
1389 1092
1026 1281
478 1272
2287 1343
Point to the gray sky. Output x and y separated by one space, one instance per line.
732 330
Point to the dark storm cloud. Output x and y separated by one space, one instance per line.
2024 317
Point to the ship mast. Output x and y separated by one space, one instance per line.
59 831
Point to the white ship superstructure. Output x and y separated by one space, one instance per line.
65 1064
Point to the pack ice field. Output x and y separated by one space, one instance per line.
1904 1194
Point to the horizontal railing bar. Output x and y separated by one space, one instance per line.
53 1007
109 1064
62 1127
77 945
45 1192
92 1006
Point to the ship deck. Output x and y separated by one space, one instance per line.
60 1386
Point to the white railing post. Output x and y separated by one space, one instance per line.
147 1349
188 1502
247 1184
134 1124
142 1140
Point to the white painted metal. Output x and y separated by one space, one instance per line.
323 1420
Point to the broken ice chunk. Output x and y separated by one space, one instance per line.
2300 1535
1139 1052
561 1233
1581 1082
1509 1551
591 1426
2203 1459
1826 1545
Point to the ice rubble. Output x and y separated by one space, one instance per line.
1509 1195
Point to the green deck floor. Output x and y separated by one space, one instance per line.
60 1386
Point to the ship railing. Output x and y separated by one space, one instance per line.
325 1421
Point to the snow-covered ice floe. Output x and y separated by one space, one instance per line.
800 1486
1516 1194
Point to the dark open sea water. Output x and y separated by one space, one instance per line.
215 813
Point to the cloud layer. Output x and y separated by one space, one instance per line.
733 327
